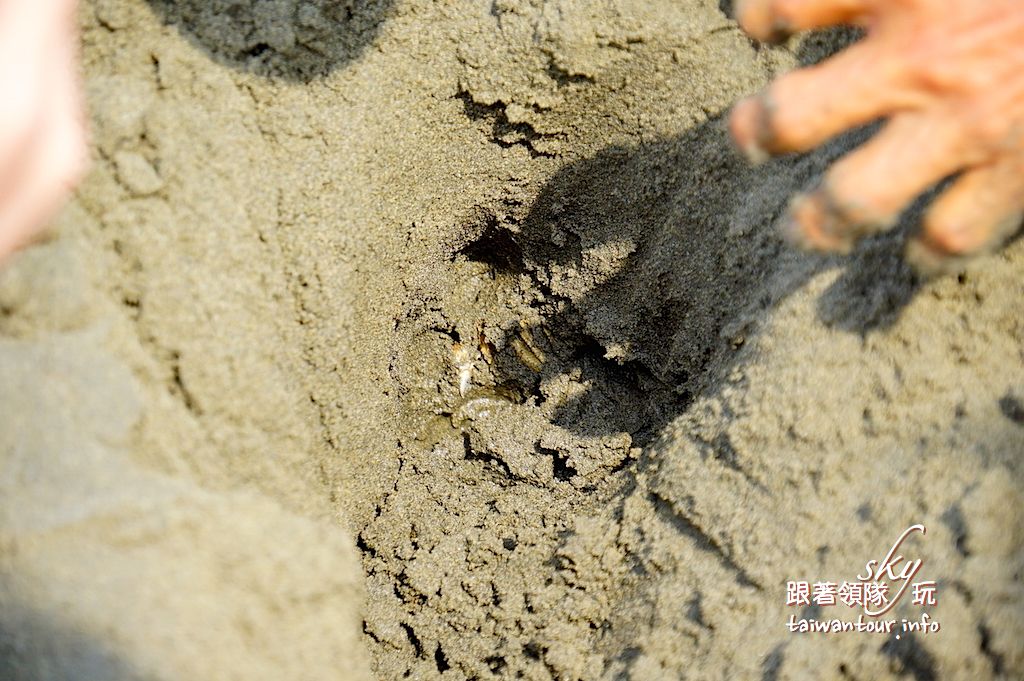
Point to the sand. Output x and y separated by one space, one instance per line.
453 340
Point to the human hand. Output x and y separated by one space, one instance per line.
948 75
43 149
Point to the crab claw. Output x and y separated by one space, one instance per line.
948 77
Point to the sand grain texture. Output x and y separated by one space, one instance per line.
235 444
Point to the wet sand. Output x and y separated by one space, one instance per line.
447 340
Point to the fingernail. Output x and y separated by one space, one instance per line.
761 23
814 223
764 131
754 153
747 127
930 256
741 12
789 227
1006 228
780 32
927 262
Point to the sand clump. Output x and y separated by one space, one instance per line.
236 443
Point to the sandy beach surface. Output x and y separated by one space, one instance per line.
453 340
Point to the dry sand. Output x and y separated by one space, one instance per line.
234 443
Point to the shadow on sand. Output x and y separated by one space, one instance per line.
36 646
298 40
657 263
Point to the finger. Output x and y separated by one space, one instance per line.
42 189
22 72
867 190
69 101
29 31
976 214
773 21
23 206
56 159
804 108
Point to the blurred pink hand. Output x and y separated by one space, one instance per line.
43 149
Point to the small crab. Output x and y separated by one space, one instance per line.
948 75
465 357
